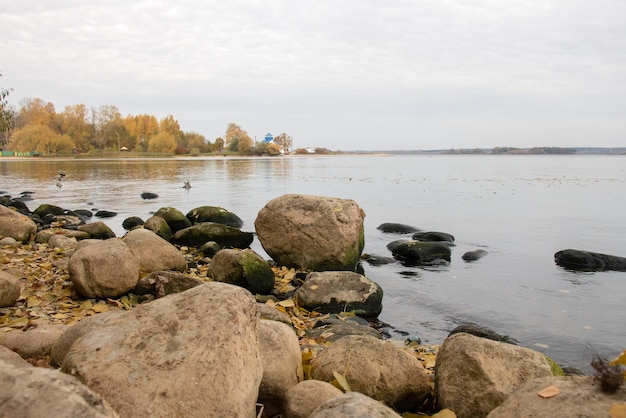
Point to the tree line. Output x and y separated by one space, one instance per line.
37 127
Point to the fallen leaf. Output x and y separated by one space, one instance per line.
549 392
445 413
287 303
341 380
621 359
617 411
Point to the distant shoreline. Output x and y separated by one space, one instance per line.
120 155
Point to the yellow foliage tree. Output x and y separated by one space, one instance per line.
41 138
163 143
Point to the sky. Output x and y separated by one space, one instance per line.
343 75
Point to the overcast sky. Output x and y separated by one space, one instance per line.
351 74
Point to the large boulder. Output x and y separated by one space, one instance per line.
174 218
9 289
353 405
154 253
158 225
433 236
215 214
163 283
97 230
312 232
192 354
34 392
413 253
396 228
589 261
305 397
34 342
225 236
475 375
282 364
339 291
103 269
577 397
15 225
376 368
62 241
243 268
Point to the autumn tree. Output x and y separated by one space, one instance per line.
284 142
74 122
171 126
36 112
7 115
238 140
40 138
163 143
195 142
109 127
218 144
140 129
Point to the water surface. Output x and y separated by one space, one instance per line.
521 209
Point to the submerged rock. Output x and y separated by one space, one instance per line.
589 261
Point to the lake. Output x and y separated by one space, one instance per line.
521 209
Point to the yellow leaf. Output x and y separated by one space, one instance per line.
341 380
270 302
313 287
445 413
287 303
618 411
621 359
101 307
549 392
33 301
87 305
19 322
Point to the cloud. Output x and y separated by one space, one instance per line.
342 75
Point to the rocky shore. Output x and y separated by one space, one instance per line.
180 318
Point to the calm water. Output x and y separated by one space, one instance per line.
521 209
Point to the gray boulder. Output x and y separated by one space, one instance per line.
305 397
158 225
103 269
312 232
62 241
353 405
589 261
419 252
282 364
34 342
474 255
9 289
376 368
34 392
340 291
243 268
192 354
395 228
334 331
44 235
163 283
475 375
578 397
174 218
433 236
225 236
154 253
97 230
15 225
214 214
